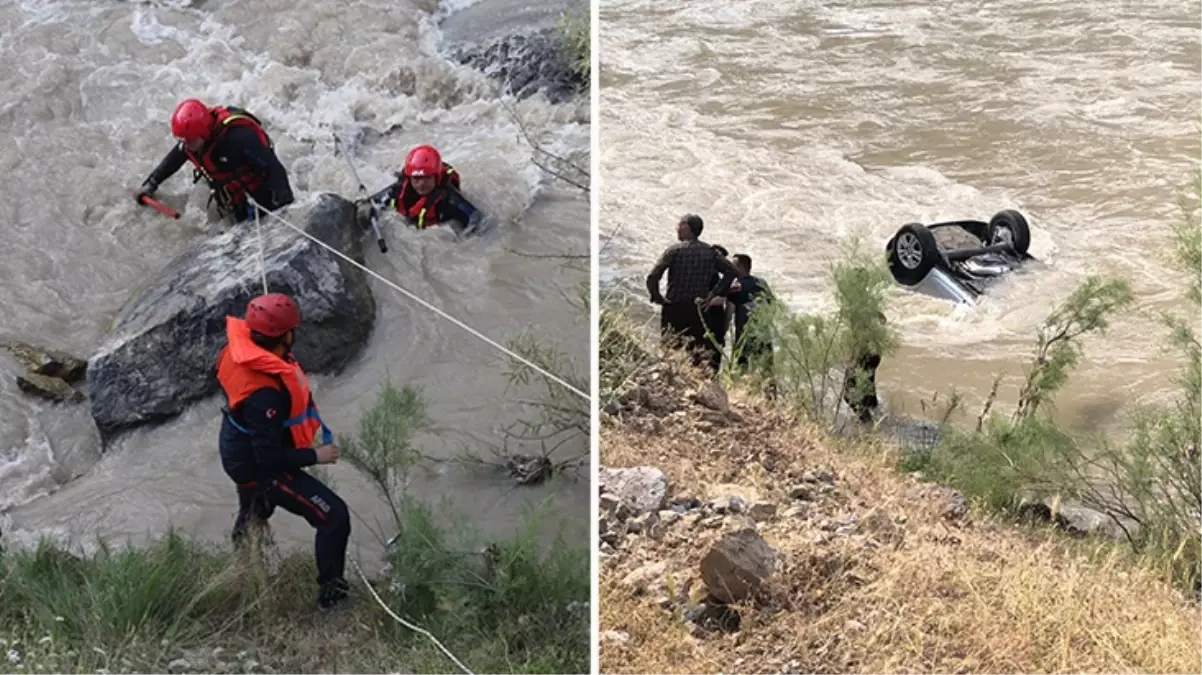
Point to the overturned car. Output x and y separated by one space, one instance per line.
956 260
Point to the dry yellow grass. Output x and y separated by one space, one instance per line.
918 590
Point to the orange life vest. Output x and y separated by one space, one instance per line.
231 185
423 209
243 367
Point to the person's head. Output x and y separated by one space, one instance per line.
742 262
423 165
273 319
192 123
689 227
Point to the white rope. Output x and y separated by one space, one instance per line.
432 308
406 624
262 261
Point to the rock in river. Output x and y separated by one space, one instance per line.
160 354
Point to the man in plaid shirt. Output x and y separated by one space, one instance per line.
691 265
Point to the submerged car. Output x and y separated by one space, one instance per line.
956 260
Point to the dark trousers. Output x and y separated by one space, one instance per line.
716 322
299 493
681 326
862 377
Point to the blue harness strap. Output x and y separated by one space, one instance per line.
310 413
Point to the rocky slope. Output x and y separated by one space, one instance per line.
736 539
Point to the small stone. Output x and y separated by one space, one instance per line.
818 476
642 523
737 565
643 578
49 388
797 511
640 489
179 665
608 502
712 522
667 517
853 626
955 507
48 362
657 530
728 505
803 493
712 396
684 505
250 665
761 511
617 636
739 522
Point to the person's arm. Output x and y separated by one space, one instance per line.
729 274
389 193
452 176
657 273
174 161
456 207
246 143
263 414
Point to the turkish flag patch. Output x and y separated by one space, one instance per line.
271 413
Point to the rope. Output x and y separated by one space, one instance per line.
270 545
406 624
508 352
262 262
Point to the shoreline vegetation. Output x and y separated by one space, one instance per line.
516 604
861 555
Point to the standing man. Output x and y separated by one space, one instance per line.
271 431
691 265
755 348
752 292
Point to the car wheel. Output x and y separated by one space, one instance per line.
1010 225
913 253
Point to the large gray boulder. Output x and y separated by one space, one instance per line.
160 353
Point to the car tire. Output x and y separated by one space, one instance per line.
913 253
1015 224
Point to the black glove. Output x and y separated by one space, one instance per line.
148 189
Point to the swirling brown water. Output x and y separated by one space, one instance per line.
84 104
796 126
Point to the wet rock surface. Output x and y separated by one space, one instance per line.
160 355
49 373
526 63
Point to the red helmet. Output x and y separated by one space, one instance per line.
191 120
272 314
423 160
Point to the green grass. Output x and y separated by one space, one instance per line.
509 605
575 30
